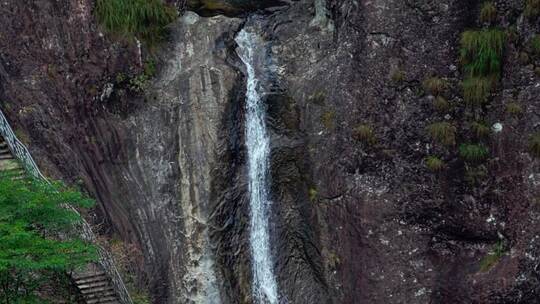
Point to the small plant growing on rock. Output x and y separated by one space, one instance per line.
514 109
398 76
481 51
442 132
475 174
524 58
365 134
473 152
492 258
434 85
488 12
476 90
434 164
535 45
534 145
328 119
441 104
479 129
532 9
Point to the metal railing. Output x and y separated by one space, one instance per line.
105 259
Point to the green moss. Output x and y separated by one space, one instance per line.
473 152
328 119
534 145
479 129
434 85
481 51
492 258
398 76
365 134
532 9
488 12
441 104
514 109
313 194
442 132
144 19
476 90
434 164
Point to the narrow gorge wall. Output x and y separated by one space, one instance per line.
351 222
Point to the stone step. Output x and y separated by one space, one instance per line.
88 275
86 280
6 156
109 299
100 294
93 290
93 284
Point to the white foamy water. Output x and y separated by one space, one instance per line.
251 51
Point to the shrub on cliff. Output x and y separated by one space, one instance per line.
473 152
144 19
31 255
481 51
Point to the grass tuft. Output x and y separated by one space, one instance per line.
434 85
441 104
488 12
442 132
365 134
144 19
473 152
476 90
434 164
481 51
532 9
514 109
534 145
479 129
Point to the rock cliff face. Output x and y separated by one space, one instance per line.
353 221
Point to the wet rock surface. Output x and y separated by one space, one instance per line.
352 222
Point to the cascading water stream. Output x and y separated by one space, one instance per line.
251 51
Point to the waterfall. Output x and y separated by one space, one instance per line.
251 51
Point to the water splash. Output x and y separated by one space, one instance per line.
251 51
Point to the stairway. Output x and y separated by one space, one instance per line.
8 163
92 282
95 286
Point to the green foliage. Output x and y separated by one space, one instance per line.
492 258
514 109
473 152
32 217
488 12
434 85
481 51
535 45
441 104
434 164
442 132
532 8
534 145
479 129
145 19
476 90
365 134
398 76
139 83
